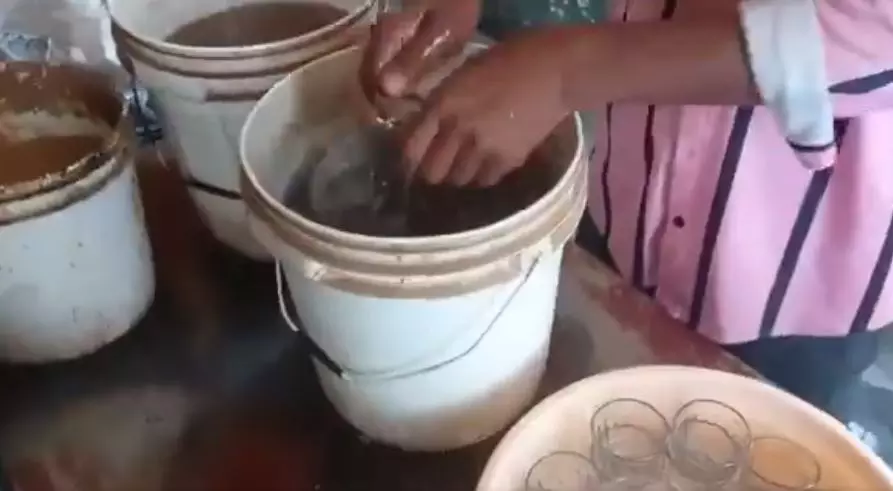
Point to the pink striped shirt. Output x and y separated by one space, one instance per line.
766 221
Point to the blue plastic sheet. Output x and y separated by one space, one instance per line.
19 46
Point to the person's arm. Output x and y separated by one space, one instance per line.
808 60
659 62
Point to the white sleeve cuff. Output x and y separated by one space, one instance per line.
784 41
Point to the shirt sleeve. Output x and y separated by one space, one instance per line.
814 60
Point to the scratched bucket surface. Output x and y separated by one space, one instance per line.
431 342
204 94
75 266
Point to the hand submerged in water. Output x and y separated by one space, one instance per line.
486 118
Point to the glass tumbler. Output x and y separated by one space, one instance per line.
779 464
708 447
562 471
629 443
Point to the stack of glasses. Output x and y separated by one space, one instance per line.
706 446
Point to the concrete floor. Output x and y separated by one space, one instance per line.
880 374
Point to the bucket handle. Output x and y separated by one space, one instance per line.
140 116
293 320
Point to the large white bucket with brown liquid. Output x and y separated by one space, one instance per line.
204 93
75 263
426 343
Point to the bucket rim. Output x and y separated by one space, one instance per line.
113 143
235 52
318 229
146 56
109 165
420 274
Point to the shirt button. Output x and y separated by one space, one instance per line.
678 221
676 312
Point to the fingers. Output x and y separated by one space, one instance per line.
387 38
469 160
494 169
418 135
429 43
440 153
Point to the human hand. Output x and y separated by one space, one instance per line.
485 119
405 46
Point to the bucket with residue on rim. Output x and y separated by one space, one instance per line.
204 93
75 263
426 343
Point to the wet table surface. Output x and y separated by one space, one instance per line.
212 392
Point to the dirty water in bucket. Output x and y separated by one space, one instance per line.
36 158
259 23
373 202
43 134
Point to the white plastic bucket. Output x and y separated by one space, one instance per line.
204 94
424 343
75 263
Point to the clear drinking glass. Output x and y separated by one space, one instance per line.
562 471
779 464
629 443
708 447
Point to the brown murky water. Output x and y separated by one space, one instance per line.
30 160
436 210
261 23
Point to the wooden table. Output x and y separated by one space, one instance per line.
211 392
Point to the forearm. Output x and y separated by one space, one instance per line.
698 61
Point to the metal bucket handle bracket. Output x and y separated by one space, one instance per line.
293 320
188 180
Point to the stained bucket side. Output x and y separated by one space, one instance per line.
203 103
75 264
152 31
429 343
